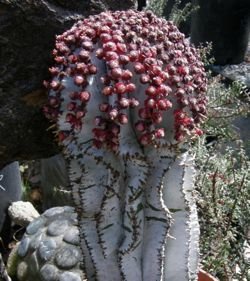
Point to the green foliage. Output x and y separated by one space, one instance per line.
223 184
156 6
225 104
205 50
177 15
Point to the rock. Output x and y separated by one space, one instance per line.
236 72
10 188
46 249
55 182
69 276
56 211
57 227
35 225
226 25
49 272
68 257
50 248
240 72
72 236
22 213
23 247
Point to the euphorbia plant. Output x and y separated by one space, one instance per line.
127 92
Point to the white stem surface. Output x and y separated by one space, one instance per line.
184 231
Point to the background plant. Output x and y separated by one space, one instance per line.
223 201
177 15
223 184
156 6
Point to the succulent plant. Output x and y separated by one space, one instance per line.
127 93
50 248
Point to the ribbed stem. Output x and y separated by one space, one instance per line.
126 91
181 259
157 217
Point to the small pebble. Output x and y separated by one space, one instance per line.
49 272
51 248
69 276
68 257
35 240
23 247
46 249
72 236
57 227
57 210
35 225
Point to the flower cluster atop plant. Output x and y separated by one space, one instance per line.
143 67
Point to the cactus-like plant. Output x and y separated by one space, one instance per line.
127 91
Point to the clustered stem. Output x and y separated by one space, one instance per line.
126 91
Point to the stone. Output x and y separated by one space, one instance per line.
57 227
69 276
35 240
49 272
68 257
23 247
46 249
240 72
22 213
72 236
54 211
46 257
35 225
